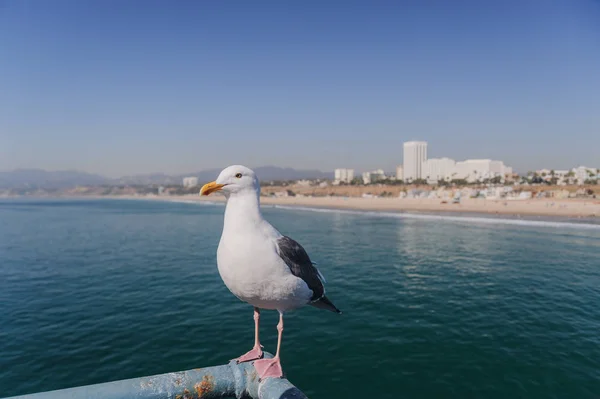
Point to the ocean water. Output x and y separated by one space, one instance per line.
100 290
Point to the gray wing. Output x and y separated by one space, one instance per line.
300 265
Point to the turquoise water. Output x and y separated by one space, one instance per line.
93 291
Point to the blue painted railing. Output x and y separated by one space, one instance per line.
231 380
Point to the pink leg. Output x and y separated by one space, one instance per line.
271 367
256 352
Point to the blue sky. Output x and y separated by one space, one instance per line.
127 87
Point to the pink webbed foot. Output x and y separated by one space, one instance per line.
253 354
268 368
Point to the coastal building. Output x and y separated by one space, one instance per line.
190 181
416 165
472 170
583 173
562 176
399 173
436 169
475 170
373 177
544 172
366 178
559 177
415 154
343 176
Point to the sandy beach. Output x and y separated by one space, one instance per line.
578 208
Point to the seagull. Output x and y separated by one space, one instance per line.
261 266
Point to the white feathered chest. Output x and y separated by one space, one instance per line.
251 267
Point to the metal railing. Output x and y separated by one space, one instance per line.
230 380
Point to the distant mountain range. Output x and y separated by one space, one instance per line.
38 178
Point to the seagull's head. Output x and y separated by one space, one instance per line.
235 179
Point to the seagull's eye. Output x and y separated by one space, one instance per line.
238 175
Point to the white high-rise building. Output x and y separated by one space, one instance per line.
343 176
190 181
415 154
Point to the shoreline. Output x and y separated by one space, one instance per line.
535 207
570 208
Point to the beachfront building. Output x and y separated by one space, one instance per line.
562 177
583 173
436 169
399 173
373 177
559 177
417 166
366 178
471 170
476 170
415 154
190 181
343 176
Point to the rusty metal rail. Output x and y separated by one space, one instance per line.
231 380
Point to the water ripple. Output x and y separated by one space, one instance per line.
94 291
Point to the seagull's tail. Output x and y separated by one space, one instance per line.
324 303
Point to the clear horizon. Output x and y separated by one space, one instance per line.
121 89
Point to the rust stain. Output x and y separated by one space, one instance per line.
178 381
206 385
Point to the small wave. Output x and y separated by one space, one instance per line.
482 220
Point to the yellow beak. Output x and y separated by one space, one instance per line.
211 187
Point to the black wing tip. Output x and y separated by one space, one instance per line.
325 303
